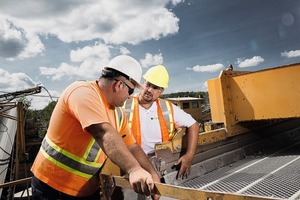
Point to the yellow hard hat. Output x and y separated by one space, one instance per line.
157 75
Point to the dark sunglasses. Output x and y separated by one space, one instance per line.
130 90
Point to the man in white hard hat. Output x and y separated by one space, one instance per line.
87 126
154 120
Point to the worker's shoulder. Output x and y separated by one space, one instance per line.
77 85
80 83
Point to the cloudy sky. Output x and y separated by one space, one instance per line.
54 43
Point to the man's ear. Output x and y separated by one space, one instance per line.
117 85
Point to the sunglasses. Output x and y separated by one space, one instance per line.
130 90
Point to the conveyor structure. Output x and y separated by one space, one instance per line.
12 138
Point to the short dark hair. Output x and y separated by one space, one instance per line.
112 73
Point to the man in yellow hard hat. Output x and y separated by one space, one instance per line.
153 120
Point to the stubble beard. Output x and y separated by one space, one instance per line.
147 96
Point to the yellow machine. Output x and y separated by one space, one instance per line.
255 155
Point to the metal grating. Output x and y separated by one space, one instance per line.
276 175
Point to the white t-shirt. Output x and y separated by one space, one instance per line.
150 127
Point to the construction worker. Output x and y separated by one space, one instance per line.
151 122
87 126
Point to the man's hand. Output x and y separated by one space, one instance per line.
141 181
139 154
185 168
156 179
187 158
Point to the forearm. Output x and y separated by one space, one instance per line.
187 158
193 135
141 157
114 147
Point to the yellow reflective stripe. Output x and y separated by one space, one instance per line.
62 151
119 118
172 127
65 167
166 108
90 145
70 155
128 108
98 154
130 118
93 151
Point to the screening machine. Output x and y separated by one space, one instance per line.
254 155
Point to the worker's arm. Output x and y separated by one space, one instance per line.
139 154
186 160
141 157
114 147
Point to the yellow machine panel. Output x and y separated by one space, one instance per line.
250 96
267 94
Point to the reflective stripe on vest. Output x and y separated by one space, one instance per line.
129 109
69 161
119 117
164 107
85 166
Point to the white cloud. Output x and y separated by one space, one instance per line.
205 86
291 54
207 68
151 60
124 50
175 2
256 60
89 69
11 82
92 59
111 21
153 24
15 42
99 51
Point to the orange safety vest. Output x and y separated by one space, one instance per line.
165 116
83 167
86 166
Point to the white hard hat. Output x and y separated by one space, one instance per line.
128 66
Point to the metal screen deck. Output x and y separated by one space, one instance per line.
274 175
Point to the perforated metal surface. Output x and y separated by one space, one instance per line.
274 175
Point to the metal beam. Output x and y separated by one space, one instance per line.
173 191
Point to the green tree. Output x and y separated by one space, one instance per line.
26 102
37 121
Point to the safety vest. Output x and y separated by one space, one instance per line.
84 169
85 166
165 116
